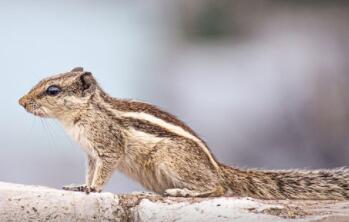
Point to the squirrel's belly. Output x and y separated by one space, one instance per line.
146 176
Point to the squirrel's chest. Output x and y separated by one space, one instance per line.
80 135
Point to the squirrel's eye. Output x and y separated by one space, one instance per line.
53 90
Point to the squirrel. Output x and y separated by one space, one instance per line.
158 150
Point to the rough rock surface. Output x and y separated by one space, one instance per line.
37 203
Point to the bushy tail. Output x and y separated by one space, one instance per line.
288 184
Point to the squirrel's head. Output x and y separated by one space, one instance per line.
60 95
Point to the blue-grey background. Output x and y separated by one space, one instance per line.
264 82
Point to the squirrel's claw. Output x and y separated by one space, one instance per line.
90 190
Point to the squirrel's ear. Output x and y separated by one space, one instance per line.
87 82
77 69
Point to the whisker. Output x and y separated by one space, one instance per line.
51 133
47 130
28 132
51 130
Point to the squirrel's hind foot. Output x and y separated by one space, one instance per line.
175 192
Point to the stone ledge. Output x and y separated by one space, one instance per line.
38 203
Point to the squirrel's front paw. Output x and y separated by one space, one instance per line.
79 188
92 190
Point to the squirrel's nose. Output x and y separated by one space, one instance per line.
22 102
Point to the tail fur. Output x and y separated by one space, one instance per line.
288 184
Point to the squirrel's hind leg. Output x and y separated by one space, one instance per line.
184 192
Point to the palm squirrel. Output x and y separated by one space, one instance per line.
159 151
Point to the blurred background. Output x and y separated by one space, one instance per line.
264 82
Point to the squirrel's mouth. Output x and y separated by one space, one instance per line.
39 112
32 107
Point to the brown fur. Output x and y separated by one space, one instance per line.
133 106
158 150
